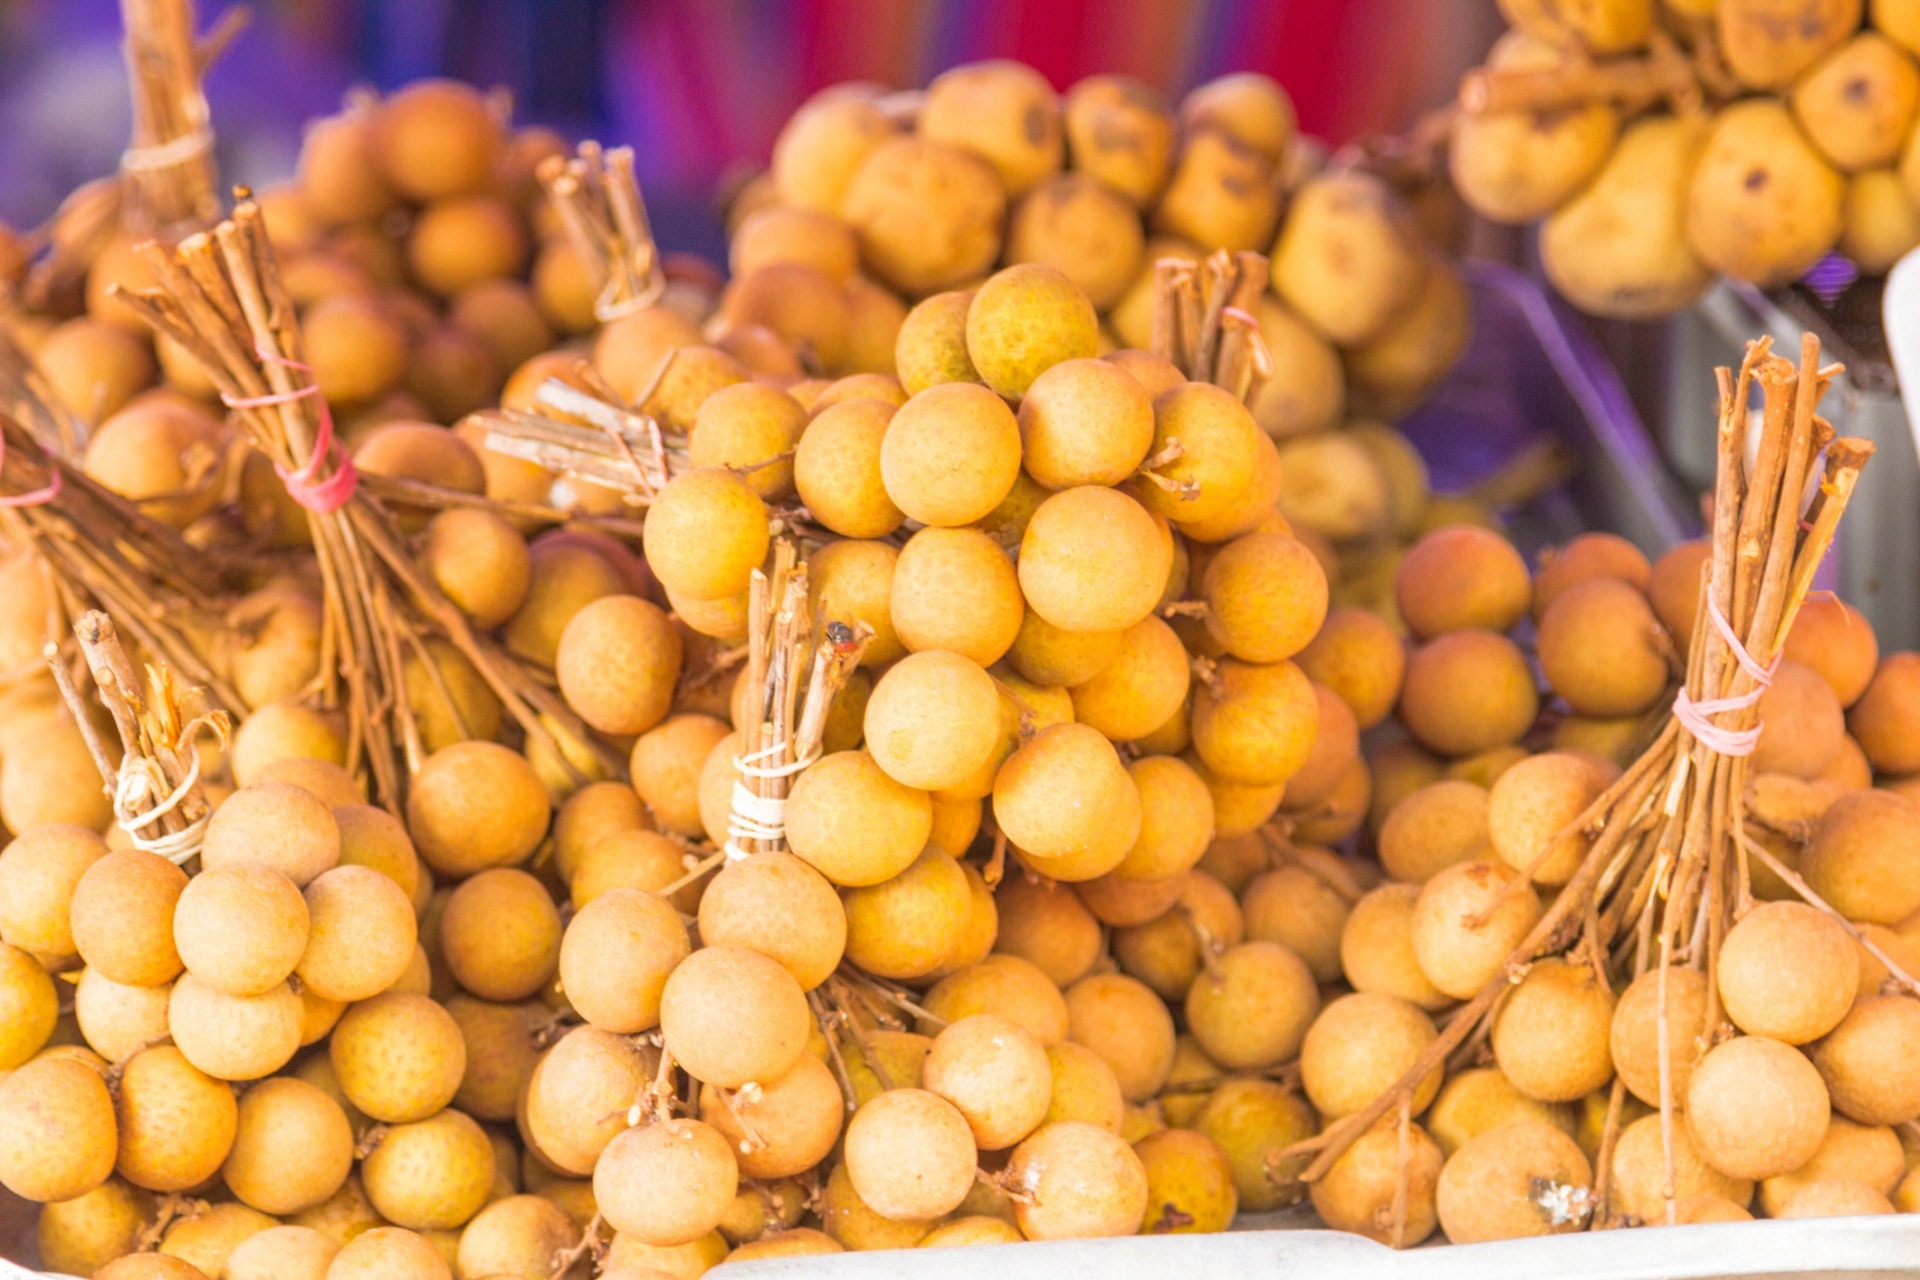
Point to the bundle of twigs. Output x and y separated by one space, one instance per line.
103 552
169 167
589 435
155 780
1203 320
1666 875
221 298
599 203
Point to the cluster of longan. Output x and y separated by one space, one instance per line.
1476 821
1792 136
927 193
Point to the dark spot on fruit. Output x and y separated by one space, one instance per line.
1170 1219
1858 89
1756 179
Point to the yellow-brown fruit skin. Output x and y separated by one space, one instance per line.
1886 718
58 1136
1467 691
1602 649
1461 578
1634 1035
1766 232
1869 1061
1789 972
1756 1108
1255 723
1551 1036
1860 859
928 215
1358 1191
1490 1188
950 454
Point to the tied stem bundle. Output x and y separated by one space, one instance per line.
169 166
1203 320
222 299
1667 873
598 199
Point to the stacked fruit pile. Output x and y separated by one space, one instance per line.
1665 144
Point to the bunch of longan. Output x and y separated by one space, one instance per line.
1782 140
989 166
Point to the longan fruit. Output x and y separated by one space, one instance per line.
615 958
1140 688
435 138
956 821
1301 910
1190 1184
933 720
58 1136
618 663
1120 133
1762 204
1854 860
730 1016
1348 255
595 811
853 823
995 1074
904 928
1637 1187
1834 1199
802 305
1047 925
636 859
1004 111
372 837
794 1120
1008 985
1468 919
1634 1036
432 1174
776 904
1249 1119
1788 971
1253 1007
1057 658
853 1224
500 935
955 589
479 561
1882 719
928 215
334 786
1084 1087
1218 454
475 805
932 344
413 450
1551 1038
1532 812
205 1240
281 731
1376 948
910 1154
176 1123
576 1100
1084 422
1867 1061
1835 639
399 1057
165 457
1358 1047
1481 1098
241 928
1467 691
629 352
1492 1188
1122 1021
338 181
1517 165
1461 578
948 456
274 825
1077 1181
114 1018
94 368
235 1037
1065 795
292 1149
837 469
1266 597
1221 193
1601 649
1584 558
1176 819
40 869
1870 1155
1358 1192
388 1253
519 1235
1254 724
82 1235
666 763
706 532
461 241
506 316
1756 1108
150 1266
344 1216
1078 226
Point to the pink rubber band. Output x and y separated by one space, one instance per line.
306 486
1697 717
1243 316
36 497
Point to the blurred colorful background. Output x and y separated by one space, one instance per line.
698 87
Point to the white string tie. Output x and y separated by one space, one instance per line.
187 147
755 817
138 783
